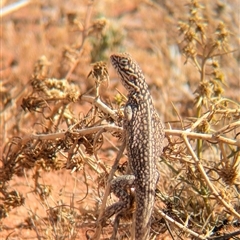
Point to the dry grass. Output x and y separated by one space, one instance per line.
62 109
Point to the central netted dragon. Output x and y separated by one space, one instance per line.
144 136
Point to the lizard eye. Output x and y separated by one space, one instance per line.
124 62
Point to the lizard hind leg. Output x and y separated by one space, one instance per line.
122 187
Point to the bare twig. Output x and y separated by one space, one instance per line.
203 136
14 7
181 226
98 103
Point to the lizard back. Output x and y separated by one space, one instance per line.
144 136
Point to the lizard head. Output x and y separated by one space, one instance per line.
130 73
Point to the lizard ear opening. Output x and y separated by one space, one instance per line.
132 78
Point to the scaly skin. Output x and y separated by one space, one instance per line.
144 139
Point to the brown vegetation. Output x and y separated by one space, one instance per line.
62 107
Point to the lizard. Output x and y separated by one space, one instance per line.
144 135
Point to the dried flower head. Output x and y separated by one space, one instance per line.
98 26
